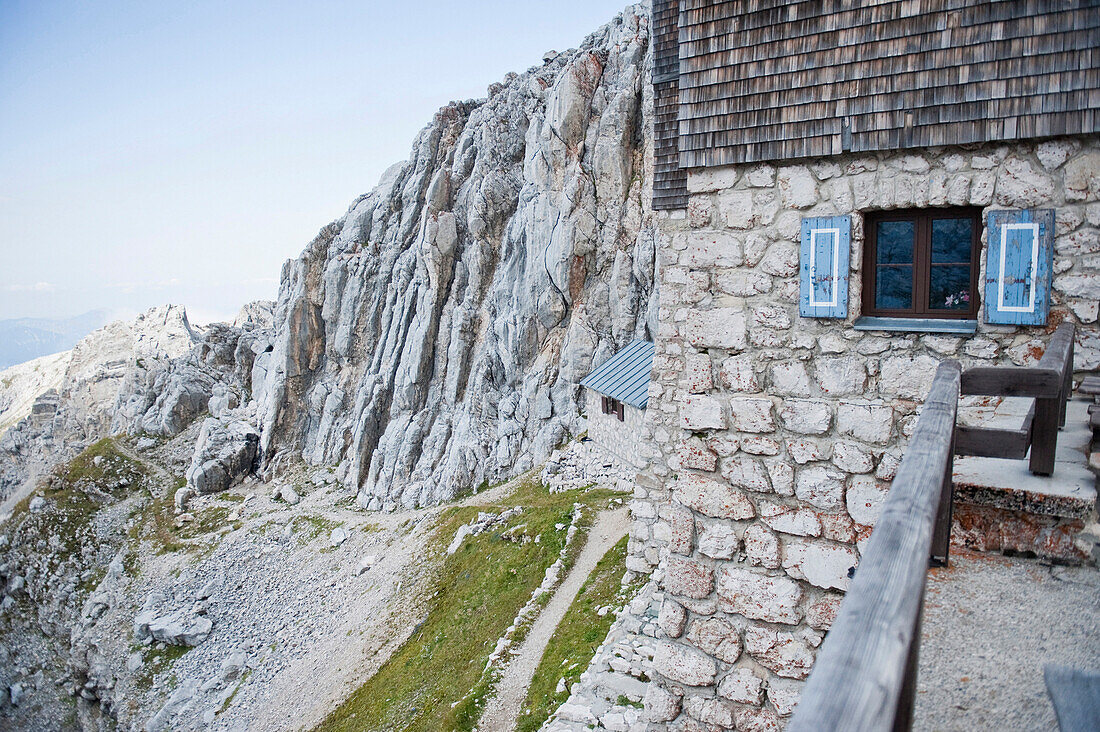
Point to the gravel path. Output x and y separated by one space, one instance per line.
503 710
990 624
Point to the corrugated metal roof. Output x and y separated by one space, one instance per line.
625 376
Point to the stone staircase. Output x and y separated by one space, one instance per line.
1001 507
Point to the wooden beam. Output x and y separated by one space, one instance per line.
995 443
860 673
1012 381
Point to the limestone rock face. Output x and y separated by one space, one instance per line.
433 337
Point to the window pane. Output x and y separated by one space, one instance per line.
894 242
894 287
951 239
950 287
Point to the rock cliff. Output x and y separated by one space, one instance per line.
432 339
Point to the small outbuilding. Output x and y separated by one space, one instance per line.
616 398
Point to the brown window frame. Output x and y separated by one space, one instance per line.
922 260
613 406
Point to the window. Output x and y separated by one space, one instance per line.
613 406
922 263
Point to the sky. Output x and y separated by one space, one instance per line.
162 152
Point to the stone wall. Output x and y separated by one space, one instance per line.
621 439
778 435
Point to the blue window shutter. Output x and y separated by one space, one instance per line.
823 267
1018 266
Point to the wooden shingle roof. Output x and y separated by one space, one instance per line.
780 79
669 179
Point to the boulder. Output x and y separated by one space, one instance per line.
225 453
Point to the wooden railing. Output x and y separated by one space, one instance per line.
1049 383
866 671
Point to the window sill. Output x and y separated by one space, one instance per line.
917 325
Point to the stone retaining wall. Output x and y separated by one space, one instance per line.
778 435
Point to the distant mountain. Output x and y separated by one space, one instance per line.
22 339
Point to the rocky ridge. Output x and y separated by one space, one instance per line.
151 376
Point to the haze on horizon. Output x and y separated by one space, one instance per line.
157 153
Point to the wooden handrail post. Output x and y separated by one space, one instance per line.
1050 411
1067 385
941 537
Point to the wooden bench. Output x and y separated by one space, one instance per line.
1050 384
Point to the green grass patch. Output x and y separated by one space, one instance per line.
75 493
435 681
156 662
206 520
577 637
309 526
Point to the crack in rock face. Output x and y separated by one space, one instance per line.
433 338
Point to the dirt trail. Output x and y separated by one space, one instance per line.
503 710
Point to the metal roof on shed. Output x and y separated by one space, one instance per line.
625 376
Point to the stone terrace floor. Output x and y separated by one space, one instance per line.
991 623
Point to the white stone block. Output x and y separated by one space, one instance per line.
784 695
718 540
787 654
698 375
660 705
789 519
712 498
707 180
710 711
825 564
718 328
672 617
821 487
867 422
781 260
717 638
806 417
761 546
797 187
782 477
758 445
684 665
907 377
1053 153
1020 185
743 283
741 685
804 450
759 596
851 458
709 249
735 208
761 176
841 376
750 414
701 412
864 499
736 374
746 472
